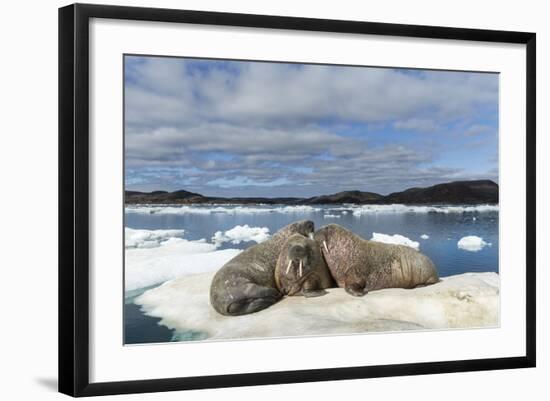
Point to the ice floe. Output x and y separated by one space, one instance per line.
173 258
148 238
398 208
472 243
468 300
396 239
357 210
331 216
240 234
425 236
196 209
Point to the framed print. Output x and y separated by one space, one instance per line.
251 199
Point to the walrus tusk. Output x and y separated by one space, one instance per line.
300 268
288 267
310 235
325 244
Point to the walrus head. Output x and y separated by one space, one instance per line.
297 261
324 235
302 227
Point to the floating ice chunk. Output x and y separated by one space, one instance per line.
331 216
472 243
240 234
395 239
424 236
468 300
148 238
173 258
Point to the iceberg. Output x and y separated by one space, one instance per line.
240 234
472 243
469 300
395 239
425 236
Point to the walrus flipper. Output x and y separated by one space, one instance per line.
356 289
253 298
314 293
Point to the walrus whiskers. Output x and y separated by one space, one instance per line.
288 267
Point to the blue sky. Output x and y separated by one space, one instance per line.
232 128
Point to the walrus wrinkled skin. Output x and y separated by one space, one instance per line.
301 269
360 265
246 283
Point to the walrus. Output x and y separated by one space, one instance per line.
360 265
246 283
301 269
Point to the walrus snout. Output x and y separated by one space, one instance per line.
295 265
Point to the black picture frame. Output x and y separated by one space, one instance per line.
74 198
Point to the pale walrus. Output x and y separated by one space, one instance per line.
301 269
359 265
246 283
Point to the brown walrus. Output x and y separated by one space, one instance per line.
301 269
359 265
246 283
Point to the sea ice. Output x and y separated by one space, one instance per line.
240 234
331 216
398 208
185 209
469 300
425 236
357 210
395 239
173 258
472 243
148 238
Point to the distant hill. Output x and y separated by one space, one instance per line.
358 197
457 192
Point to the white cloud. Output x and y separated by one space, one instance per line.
270 125
300 93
